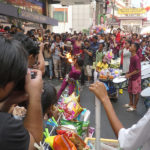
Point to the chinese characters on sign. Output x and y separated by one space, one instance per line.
131 11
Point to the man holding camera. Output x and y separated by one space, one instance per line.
56 52
15 134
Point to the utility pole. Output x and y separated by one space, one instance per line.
99 9
46 8
102 7
113 5
64 18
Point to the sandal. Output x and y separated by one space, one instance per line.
126 106
131 109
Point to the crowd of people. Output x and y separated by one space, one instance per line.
26 58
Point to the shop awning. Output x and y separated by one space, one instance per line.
22 14
9 10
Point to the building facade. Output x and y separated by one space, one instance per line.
72 18
27 13
35 6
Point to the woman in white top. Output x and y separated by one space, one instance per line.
126 57
136 137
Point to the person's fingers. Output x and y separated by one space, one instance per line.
92 85
28 75
92 89
34 70
35 66
96 84
100 84
38 72
10 111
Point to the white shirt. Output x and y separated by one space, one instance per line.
101 41
56 53
138 136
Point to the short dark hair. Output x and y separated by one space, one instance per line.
30 33
119 29
129 41
7 28
49 96
13 61
80 61
137 46
20 28
102 43
47 31
1 26
57 35
86 41
30 46
95 37
135 34
13 26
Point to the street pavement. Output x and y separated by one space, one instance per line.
87 100
127 118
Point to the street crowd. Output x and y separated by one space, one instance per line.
27 58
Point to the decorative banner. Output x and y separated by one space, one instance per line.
102 19
131 11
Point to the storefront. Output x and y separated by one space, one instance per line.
131 19
36 6
25 16
131 24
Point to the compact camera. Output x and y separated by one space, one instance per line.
33 75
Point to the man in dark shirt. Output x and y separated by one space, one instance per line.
15 134
88 61
94 47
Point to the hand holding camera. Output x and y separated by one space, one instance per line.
58 47
34 83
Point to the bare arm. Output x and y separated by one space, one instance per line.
31 144
41 65
113 119
100 91
89 53
61 55
132 73
33 121
53 47
126 53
